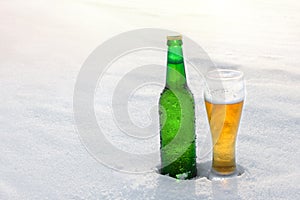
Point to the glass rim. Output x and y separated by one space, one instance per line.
224 74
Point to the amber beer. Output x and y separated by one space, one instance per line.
224 122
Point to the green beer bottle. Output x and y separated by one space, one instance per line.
177 118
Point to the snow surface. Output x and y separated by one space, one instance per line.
43 46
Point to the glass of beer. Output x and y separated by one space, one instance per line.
224 97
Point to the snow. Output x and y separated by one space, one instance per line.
43 47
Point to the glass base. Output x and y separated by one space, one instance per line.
214 175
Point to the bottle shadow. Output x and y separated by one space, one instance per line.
203 169
171 188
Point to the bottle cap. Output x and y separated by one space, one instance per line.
175 37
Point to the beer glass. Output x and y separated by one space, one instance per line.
224 97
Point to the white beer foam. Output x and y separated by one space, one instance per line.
224 96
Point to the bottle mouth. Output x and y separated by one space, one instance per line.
174 37
175 40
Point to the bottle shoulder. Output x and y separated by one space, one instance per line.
183 89
178 92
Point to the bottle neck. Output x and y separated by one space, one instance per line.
176 77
